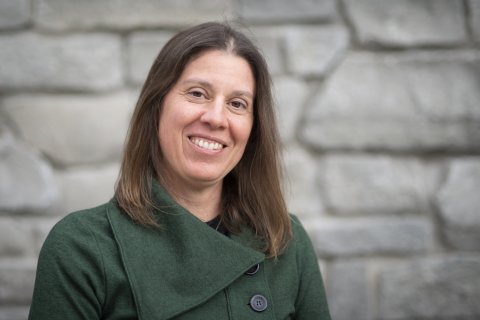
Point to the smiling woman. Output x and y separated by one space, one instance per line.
198 227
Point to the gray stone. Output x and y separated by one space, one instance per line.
398 102
14 313
314 51
364 184
119 14
302 191
75 62
371 236
290 94
73 129
14 13
474 6
459 204
285 10
16 281
27 182
16 238
348 290
270 42
86 188
442 287
143 47
40 229
407 22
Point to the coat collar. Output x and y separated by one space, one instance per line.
182 264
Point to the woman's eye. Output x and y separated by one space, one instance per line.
238 105
196 93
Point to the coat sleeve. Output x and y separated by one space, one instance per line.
311 302
69 282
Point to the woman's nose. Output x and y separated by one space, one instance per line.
215 115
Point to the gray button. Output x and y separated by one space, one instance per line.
253 270
258 303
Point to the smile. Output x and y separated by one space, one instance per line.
206 144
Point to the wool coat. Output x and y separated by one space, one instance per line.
99 264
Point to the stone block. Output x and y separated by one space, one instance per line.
348 290
398 102
27 182
290 95
406 22
439 287
364 184
314 51
459 204
73 62
143 48
16 238
14 313
270 42
14 13
17 278
474 6
119 14
86 187
73 129
302 190
371 236
284 10
40 229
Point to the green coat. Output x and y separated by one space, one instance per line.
98 264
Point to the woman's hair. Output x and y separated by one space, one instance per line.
252 192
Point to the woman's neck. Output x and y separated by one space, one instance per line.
203 202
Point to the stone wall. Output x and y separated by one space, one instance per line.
379 105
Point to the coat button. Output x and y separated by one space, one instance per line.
258 303
253 270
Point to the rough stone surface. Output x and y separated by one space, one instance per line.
398 102
475 18
27 182
60 62
459 204
302 189
407 22
431 288
16 238
14 313
348 290
274 10
14 13
16 281
377 184
313 51
270 42
86 188
93 127
119 14
367 236
290 95
143 47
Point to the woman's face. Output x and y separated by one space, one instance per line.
206 119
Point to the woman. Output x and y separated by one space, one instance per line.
198 227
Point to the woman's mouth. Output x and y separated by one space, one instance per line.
206 144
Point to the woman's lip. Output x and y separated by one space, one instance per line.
208 139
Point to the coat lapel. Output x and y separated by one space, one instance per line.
182 264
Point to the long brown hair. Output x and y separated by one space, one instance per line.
252 193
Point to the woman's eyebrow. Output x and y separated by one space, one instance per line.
209 86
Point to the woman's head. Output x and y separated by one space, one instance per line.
257 170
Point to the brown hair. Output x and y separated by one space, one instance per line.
252 192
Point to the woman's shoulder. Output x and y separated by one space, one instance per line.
81 226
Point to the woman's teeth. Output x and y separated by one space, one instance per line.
209 145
